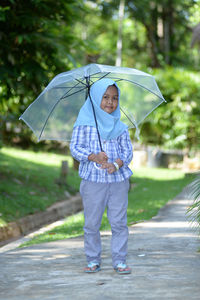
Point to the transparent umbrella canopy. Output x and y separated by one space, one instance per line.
52 115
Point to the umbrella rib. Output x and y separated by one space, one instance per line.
63 96
69 91
64 87
48 118
91 76
127 117
144 88
79 81
140 85
102 76
149 113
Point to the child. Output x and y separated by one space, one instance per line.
105 174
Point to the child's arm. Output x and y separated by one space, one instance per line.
80 150
78 146
126 149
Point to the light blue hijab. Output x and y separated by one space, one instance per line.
109 125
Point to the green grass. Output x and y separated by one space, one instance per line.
151 189
27 182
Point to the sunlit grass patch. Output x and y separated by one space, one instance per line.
43 158
72 227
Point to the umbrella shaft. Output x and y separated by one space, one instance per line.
95 119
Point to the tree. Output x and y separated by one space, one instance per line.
35 44
166 25
98 28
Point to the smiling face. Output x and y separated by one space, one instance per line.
109 100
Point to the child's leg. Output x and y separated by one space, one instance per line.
117 215
94 196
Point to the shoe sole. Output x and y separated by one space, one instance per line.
95 271
123 272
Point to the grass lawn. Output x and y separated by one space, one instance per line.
27 182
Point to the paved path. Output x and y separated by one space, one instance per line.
162 253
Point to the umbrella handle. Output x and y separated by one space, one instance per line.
98 168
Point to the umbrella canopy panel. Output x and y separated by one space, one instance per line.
52 115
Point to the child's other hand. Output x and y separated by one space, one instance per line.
110 167
99 158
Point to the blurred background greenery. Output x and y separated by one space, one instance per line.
41 38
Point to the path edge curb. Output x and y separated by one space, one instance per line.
30 223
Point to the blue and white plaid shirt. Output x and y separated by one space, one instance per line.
85 142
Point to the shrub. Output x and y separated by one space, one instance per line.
177 123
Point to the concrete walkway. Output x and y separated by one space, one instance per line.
162 253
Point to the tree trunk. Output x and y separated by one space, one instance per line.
120 31
168 31
152 36
154 48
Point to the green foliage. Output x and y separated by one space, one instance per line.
35 45
167 29
177 123
193 193
155 33
98 33
28 182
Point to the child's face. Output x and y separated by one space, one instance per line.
109 100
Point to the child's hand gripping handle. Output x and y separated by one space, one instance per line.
99 158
